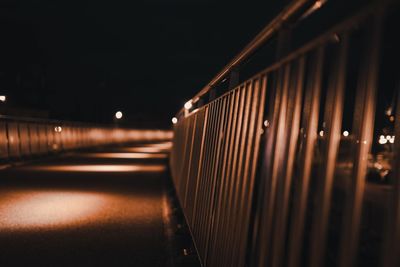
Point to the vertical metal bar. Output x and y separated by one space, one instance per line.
292 128
190 163
279 168
202 180
252 224
249 171
237 216
311 112
206 178
195 165
333 120
225 202
9 153
20 154
216 178
245 186
233 177
184 151
201 163
364 122
210 178
219 206
270 172
30 139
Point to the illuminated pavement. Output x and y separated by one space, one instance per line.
100 208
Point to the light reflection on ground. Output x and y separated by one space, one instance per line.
47 209
150 148
99 168
37 209
124 155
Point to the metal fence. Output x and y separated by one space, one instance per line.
298 165
21 138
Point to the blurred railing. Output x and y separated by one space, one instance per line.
22 138
298 165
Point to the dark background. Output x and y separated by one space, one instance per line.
84 60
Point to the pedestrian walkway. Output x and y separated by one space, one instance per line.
102 207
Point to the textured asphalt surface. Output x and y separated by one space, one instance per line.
95 208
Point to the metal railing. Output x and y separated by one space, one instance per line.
298 165
22 138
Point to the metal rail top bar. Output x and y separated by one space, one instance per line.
74 123
258 41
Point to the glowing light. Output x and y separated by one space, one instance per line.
118 115
383 140
391 140
391 118
100 168
188 105
3 98
388 137
389 111
58 129
321 133
378 165
174 120
319 3
345 133
266 123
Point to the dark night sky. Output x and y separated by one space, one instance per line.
83 60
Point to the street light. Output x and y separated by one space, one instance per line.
174 120
118 115
3 98
188 105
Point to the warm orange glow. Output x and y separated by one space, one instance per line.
100 168
27 209
47 209
150 148
165 145
317 5
125 155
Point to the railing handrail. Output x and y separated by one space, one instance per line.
74 123
260 39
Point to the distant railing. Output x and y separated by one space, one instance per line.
298 165
21 138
